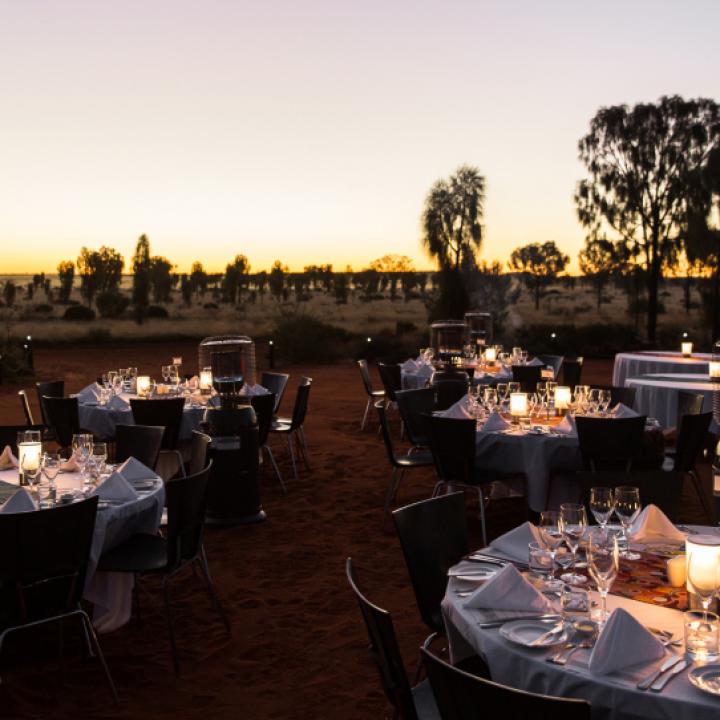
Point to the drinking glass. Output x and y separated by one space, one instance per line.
82 448
99 455
540 561
703 576
551 534
523 357
605 399
573 522
593 401
165 372
627 508
603 561
602 504
513 387
51 466
490 398
702 636
46 495
30 470
502 391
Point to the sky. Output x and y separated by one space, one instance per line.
311 131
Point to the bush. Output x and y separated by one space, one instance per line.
99 336
43 309
79 312
601 340
403 327
387 347
157 311
111 304
211 306
301 337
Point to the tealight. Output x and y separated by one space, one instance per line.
177 361
28 458
677 571
703 551
206 379
518 404
562 397
715 370
490 355
143 385
686 348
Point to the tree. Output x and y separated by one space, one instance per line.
261 279
186 289
160 274
599 260
66 276
141 278
235 278
198 279
643 167
540 264
9 293
492 290
276 280
100 271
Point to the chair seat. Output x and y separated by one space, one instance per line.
424 700
377 394
281 425
418 459
140 553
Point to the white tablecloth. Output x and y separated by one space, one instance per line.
413 381
613 696
638 364
111 593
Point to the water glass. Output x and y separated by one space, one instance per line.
602 504
575 602
627 508
99 455
51 465
702 641
46 495
541 562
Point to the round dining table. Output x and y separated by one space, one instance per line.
110 593
637 364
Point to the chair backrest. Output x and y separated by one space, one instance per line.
691 438
264 406
301 403
555 362
276 384
624 395
391 378
462 696
448 392
433 537
143 442
44 561
365 375
164 413
414 406
688 403
452 443
384 650
186 498
610 443
572 371
8 435
62 417
528 376
199 443
50 388
657 487
25 404
385 431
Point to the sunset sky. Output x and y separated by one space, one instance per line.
311 131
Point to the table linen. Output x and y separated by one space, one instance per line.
641 363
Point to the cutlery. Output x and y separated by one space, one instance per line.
658 685
665 637
667 665
470 573
562 656
497 623
475 557
554 630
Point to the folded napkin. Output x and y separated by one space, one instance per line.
623 411
19 502
7 460
253 390
459 411
410 366
117 403
566 426
193 383
494 422
653 524
622 643
89 394
425 371
133 470
514 543
509 590
503 374
70 465
536 362
115 489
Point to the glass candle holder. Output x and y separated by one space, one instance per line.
702 640
562 397
686 348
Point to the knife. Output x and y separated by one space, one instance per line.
650 679
658 685
488 624
474 557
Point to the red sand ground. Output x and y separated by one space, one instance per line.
298 648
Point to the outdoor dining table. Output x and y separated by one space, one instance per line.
638 364
613 696
110 593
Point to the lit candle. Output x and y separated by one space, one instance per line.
676 571
703 556
715 370
686 348
206 379
518 404
143 385
28 458
562 397
490 355
177 361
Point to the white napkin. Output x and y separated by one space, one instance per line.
566 426
494 422
89 394
19 502
536 362
503 374
117 403
622 643
459 411
509 590
653 524
132 470
623 411
7 460
425 371
115 489
514 543
252 390
410 366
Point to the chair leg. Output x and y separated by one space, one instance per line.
182 464
303 446
701 495
90 631
392 492
292 454
202 561
481 500
368 406
171 627
275 467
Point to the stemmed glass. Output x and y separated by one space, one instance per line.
31 471
603 561
490 398
549 526
99 456
513 387
702 573
51 466
573 522
602 504
502 393
82 448
165 372
594 401
604 402
627 508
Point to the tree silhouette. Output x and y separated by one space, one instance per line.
235 279
276 280
599 261
540 264
141 277
198 279
66 276
100 271
643 167
162 278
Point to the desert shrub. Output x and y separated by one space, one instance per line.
599 340
211 306
402 327
79 312
157 311
111 304
98 336
301 337
43 309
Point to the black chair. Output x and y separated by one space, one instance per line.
572 371
276 384
462 696
294 428
528 376
181 547
688 403
433 536
399 463
264 406
43 568
414 405
63 418
9 433
448 392
453 447
692 433
372 395
391 377
199 443
50 388
409 703
553 361
624 395
610 443
658 487
25 404
162 413
143 442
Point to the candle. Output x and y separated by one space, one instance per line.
28 458
715 370
703 556
518 404
676 570
143 385
206 379
490 355
562 397
177 361
686 348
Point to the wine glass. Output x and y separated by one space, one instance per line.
602 504
593 401
702 573
627 508
551 534
165 372
502 392
605 399
573 523
51 466
490 397
513 387
603 561
30 469
81 450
